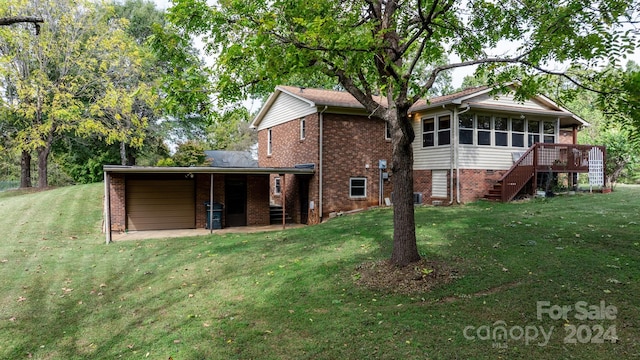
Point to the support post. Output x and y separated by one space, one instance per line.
107 207
210 211
284 201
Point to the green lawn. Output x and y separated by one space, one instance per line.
64 294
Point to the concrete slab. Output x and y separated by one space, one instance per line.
164 234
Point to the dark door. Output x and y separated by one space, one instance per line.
303 191
236 201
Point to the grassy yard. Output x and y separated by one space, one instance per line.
64 294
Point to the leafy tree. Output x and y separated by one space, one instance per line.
190 153
397 49
231 131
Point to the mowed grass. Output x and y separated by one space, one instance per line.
290 294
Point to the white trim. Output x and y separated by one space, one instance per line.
269 142
277 186
303 128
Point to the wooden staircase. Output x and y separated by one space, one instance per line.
275 215
542 157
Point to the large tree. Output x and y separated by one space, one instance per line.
398 49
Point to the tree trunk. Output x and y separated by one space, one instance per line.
123 153
25 169
405 248
43 162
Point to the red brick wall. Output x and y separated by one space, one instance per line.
475 183
203 189
423 183
257 200
352 147
117 202
350 144
566 137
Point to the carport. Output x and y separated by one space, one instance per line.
141 198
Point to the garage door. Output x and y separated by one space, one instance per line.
160 204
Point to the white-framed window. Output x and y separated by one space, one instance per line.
269 142
277 189
501 127
465 126
428 132
533 130
444 130
358 187
303 128
483 123
436 131
517 132
549 131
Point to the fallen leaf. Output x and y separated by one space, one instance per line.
21 299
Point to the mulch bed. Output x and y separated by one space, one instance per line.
418 277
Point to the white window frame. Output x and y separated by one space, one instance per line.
467 129
277 186
351 188
438 130
433 132
269 142
303 128
478 130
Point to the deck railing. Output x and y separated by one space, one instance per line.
543 157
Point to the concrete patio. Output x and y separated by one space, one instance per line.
164 234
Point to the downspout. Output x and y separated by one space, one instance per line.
456 157
107 207
452 153
320 162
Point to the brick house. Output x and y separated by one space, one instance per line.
330 131
467 146
320 153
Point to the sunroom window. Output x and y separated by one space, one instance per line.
501 135
428 129
465 125
484 129
444 130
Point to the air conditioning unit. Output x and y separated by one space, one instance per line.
417 198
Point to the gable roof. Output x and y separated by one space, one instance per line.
320 98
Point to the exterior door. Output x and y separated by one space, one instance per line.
236 201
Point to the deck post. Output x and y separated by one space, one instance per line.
535 169
284 201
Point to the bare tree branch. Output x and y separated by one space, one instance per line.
22 19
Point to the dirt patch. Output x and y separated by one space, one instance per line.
419 277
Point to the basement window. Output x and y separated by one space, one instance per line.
358 187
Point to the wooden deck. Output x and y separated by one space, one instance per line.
545 158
